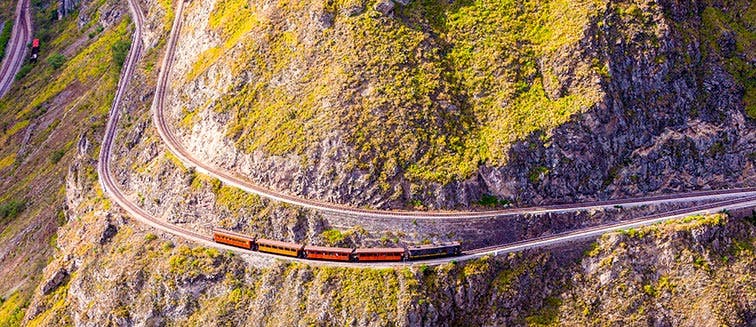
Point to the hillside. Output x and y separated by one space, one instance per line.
442 105
464 104
52 112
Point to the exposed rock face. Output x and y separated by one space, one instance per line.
669 117
55 281
690 273
384 7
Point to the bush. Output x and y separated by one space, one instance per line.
488 200
5 37
57 60
57 155
25 69
120 50
333 236
11 209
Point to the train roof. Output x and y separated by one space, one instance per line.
328 249
378 250
232 233
263 241
430 246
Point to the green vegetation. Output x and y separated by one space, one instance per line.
5 36
739 64
333 237
537 173
432 94
548 315
57 155
56 60
489 200
120 49
12 310
25 69
11 209
74 99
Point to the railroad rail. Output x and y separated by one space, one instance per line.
743 197
15 50
233 179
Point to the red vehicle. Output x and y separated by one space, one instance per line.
412 252
379 254
34 50
232 238
328 253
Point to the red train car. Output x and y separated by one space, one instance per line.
328 253
379 254
34 50
232 238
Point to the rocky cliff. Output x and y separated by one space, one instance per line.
694 272
625 98
438 105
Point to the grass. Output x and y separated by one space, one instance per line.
464 87
12 310
80 88
715 23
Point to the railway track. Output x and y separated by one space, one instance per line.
15 51
230 178
726 199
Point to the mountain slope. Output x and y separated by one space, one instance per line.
440 105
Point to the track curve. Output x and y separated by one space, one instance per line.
746 197
174 145
15 51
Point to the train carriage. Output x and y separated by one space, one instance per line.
379 254
278 247
232 238
328 253
418 252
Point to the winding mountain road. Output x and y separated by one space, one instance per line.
724 199
15 51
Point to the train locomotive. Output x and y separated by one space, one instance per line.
34 50
295 250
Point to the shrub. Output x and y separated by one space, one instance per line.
5 37
57 155
120 50
11 209
333 236
25 69
57 60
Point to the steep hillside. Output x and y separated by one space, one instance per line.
446 104
692 272
57 107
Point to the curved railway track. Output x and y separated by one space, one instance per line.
230 178
15 51
743 197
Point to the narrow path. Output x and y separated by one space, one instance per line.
746 197
15 51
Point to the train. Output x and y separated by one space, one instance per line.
295 250
34 50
